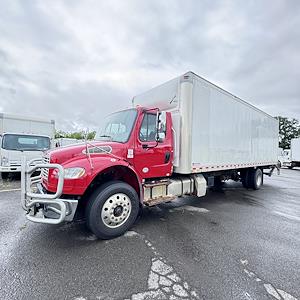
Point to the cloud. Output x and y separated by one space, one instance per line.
76 62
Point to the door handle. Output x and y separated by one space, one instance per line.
167 157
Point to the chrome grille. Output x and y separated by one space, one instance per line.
45 171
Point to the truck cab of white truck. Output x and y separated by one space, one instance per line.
292 156
22 136
284 158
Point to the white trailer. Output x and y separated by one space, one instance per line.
213 129
22 136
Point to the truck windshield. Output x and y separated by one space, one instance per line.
117 127
25 142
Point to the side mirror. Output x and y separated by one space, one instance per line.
161 121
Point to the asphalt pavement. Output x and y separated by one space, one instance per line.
230 244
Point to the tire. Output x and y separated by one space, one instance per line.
4 175
112 209
255 178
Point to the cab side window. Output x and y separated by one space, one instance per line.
148 128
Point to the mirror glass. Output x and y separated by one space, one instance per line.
161 126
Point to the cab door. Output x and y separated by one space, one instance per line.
154 158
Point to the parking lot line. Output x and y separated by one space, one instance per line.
11 190
291 217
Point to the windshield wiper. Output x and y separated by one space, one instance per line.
106 136
29 149
11 148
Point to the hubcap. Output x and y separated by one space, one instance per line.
259 180
116 210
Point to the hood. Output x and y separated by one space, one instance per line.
73 152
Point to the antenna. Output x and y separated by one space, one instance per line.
87 149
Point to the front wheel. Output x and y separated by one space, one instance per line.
112 209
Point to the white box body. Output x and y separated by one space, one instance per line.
19 124
213 129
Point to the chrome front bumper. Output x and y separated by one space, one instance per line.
42 207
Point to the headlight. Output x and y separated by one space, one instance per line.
74 173
4 161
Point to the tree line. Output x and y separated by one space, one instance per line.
289 128
79 135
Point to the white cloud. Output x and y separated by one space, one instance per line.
76 61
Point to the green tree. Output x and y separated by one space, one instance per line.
288 129
91 135
59 134
79 135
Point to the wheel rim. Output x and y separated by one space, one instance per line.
259 179
116 210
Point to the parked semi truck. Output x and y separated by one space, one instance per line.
178 139
22 136
292 156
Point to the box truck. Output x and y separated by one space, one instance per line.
22 136
178 139
292 156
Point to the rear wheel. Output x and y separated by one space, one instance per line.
252 178
112 209
255 178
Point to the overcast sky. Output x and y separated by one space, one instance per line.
76 61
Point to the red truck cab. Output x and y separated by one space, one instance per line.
135 149
131 147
